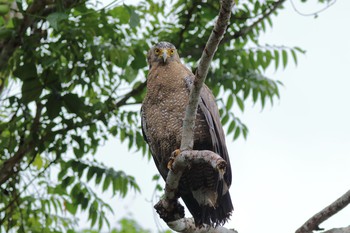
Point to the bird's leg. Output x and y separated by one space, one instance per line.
175 153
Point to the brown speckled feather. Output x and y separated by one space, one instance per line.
163 109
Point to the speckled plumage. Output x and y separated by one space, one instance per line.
168 87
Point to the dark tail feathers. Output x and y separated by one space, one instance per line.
210 215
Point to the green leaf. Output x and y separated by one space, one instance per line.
72 208
4 9
237 133
240 103
245 132
224 120
53 106
26 72
92 171
55 18
121 13
252 59
38 162
277 58
229 102
6 33
106 183
31 90
231 127
255 95
139 60
134 19
284 58
73 103
156 177
78 152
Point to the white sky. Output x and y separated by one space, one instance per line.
296 159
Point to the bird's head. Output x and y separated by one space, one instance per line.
162 53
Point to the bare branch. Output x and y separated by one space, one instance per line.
313 223
202 71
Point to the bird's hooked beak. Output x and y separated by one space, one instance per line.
165 55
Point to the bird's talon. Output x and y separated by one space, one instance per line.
172 158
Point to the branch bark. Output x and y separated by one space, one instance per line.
202 71
313 223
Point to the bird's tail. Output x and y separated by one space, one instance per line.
205 214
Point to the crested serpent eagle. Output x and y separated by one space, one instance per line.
169 82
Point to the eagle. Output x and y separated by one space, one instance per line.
169 82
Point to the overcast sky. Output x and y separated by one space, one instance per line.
296 159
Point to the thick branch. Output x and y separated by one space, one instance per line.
202 71
313 223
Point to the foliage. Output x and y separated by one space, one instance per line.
71 72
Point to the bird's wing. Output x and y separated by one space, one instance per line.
210 110
145 134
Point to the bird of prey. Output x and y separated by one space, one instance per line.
169 82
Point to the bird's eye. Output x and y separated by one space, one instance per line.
171 51
156 51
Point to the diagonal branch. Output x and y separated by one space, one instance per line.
313 223
202 71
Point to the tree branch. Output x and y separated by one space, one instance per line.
313 223
202 71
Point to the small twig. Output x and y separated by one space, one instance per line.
313 13
313 223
